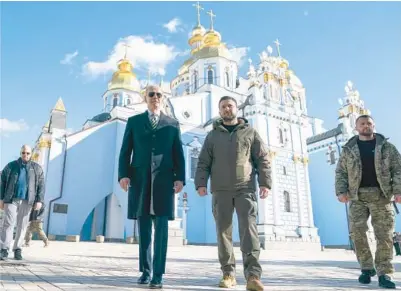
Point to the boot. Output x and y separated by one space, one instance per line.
18 254
385 282
4 255
254 284
365 277
228 281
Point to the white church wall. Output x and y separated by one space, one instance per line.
88 177
118 218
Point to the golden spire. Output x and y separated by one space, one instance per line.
126 50
198 9
211 18
59 105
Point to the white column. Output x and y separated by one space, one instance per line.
308 195
275 194
259 123
301 219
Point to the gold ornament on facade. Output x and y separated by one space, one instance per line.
284 65
283 82
289 73
35 157
296 158
305 160
267 77
44 144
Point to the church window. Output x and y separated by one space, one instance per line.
194 164
195 81
115 101
287 202
128 101
284 170
186 114
332 157
210 76
281 135
227 79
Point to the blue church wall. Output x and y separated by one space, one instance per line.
328 213
201 227
89 163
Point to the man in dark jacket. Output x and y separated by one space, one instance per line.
22 187
36 225
232 154
152 167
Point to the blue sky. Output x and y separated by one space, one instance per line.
326 43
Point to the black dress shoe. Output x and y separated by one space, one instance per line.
156 283
144 279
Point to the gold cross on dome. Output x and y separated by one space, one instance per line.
278 44
198 8
211 18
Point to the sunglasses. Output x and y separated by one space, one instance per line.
26 153
152 94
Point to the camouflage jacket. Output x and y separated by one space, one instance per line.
387 165
232 160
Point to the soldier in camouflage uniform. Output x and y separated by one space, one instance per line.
36 225
368 175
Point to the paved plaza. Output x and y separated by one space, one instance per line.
114 266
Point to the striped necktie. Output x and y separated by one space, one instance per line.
153 121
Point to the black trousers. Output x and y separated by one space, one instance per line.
159 244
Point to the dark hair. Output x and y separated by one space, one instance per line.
363 116
228 98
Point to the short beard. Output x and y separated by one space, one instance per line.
229 118
366 134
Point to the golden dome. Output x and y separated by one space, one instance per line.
124 78
212 38
197 34
284 64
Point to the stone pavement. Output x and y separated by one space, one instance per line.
114 266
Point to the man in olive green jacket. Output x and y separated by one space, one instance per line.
368 175
232 154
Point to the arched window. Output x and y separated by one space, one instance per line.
115 101
281 135
227 79
332 157
128 101
195 81
210 76
287 202
284 170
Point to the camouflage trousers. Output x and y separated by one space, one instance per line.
35 226
371 202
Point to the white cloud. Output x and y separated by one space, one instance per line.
238 54
8 126
143 52
68 58
172 25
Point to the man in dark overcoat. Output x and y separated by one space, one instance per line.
152 170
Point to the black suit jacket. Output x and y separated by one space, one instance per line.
153 160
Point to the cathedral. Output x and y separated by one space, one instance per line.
84 197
